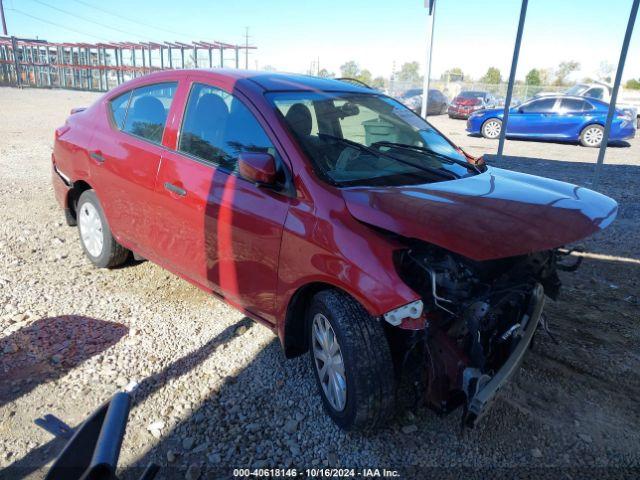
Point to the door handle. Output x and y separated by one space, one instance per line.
175 189
97 156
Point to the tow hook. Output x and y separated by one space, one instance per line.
572 267
472 381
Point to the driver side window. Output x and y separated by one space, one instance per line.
217 127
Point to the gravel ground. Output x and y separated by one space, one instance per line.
215 392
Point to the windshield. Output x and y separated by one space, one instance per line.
577 90
368 139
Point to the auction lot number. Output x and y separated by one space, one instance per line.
315 472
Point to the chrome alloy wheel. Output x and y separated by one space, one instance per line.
329 362
90 225
593 136
492 129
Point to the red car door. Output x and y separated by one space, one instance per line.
220 230
125 156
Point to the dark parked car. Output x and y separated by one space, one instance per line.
437 104
470 101
336 217
560 118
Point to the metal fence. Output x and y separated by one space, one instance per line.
521 92
101 66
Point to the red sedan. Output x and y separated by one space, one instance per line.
468 102
333 215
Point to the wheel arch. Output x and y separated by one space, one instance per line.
590 123
77 189
584 127
293 329
489 119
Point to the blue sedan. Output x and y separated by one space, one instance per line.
560 118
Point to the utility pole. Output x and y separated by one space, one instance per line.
431 6
614 94
246 48
4 22
512 78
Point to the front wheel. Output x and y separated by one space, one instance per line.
95 236
592 135
491 128
352 362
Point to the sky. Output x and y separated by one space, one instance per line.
378 34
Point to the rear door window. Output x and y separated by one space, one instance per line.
539 106
148 109
574 105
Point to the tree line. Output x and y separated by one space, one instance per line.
409 72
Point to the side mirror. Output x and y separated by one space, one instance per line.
257 167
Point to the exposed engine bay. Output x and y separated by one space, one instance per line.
477 317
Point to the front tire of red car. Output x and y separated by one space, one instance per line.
95 236
351 361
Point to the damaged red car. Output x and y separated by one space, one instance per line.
335 216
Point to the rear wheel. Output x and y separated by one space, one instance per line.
352 362
491 128
95 236
592 135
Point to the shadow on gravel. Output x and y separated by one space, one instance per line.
44 350
43 454
228 430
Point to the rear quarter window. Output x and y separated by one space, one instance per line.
118 107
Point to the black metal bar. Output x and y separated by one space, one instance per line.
109 441
512 78
614 92
4 21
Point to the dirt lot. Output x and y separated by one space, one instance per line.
215 392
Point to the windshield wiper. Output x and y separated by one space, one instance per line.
429 151
377 153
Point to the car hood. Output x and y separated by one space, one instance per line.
496 214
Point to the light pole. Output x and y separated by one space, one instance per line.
431 6
512 77
614 92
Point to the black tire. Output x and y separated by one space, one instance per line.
112 254
488 132
590 134
368 367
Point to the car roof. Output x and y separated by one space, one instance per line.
571 97
266 81
593 101
276 81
